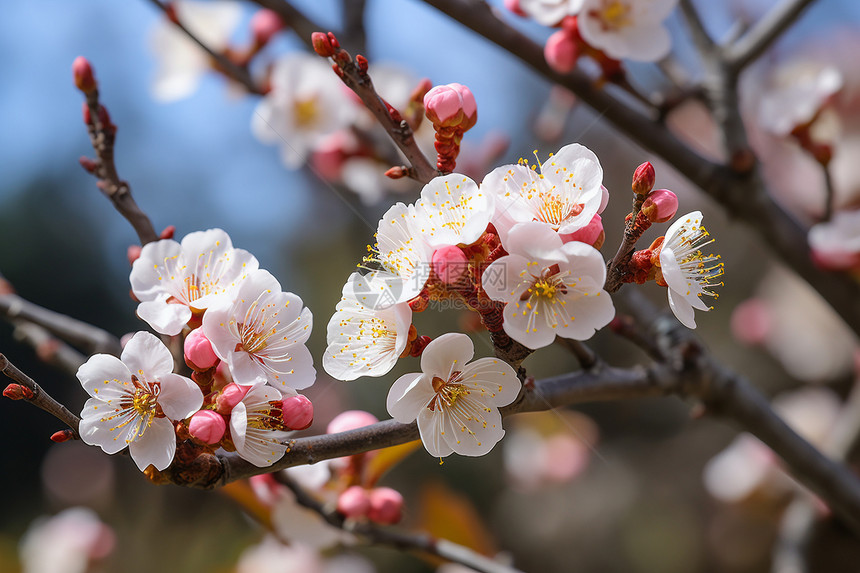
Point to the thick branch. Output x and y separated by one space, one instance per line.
81 334
40 398
764 33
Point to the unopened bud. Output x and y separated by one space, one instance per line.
297 412
362 64
514 6
752 322
168 232
88 164
207 426
419 345
397 172
353 502
323 45
231 395
199 354
133 253
449 263
451 105
561 51
265 24
350 420
660 206
592 234
386 506
643 178
83 74
62 436
17 392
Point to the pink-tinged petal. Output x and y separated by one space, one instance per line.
104 376
589 313
507 278
163 317
102 426
537 242
430 428
215 326
585 261
155 447
148 274
295 373
682 309
408 396
644 43
492 381
180 396
472 434
527 325
446 354
146 356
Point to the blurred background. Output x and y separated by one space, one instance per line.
638 493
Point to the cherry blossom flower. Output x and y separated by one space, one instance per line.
550 12
261 334
69 542
836 243
272 556
627 29
368 331
563 193
257 428
134 400
402 250
797 91
307 102
455 401
689 273
550 287
452 210
181 62
171 280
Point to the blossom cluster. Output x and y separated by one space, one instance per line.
244 340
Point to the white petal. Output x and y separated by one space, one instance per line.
430 429
104 376
472 429
408 396
146 276
692 219
156 446
492 380
682 309
163 317
245 370
521 324
96 429
296 373
146 356
586 261
537 242
446 354
180 396
453 210
507 278
589 312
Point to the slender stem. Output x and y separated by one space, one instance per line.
703 41
764 33
48 348
224 64
375 535
829 193
40 399
587 357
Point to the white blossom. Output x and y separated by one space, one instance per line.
796 93
181 63
261 334
456 402
564 192
68 542
171 280
550 288
550 12
307 102
627 29
134 400
452 210
257 428
689 273
369 329
836 243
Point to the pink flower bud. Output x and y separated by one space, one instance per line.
660 206
561 51
297 412
83 74
17 392
231 395
133 253
350 420
330 154
353 502
643 178
62 436
591 234
168 232
88 164
198 351
207 426
386 506
514 6
452 105
450 263
264 25
751 322
322 44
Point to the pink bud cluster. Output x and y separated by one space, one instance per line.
452 110
565 46
381 505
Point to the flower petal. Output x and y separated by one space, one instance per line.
408 396
179 397
446 354
682 309
430 428
163 317
156 446
104 376
147 357
492 380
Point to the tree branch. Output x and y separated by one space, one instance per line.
395 538
40 398
763 34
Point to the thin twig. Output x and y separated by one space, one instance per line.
829 193
81 334
40 398
224 64
375 535
764 33
587 357
48 348
700 36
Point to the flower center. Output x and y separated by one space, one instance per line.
271 418
447 391
306 112
615 15
143 402
545 287
695 265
